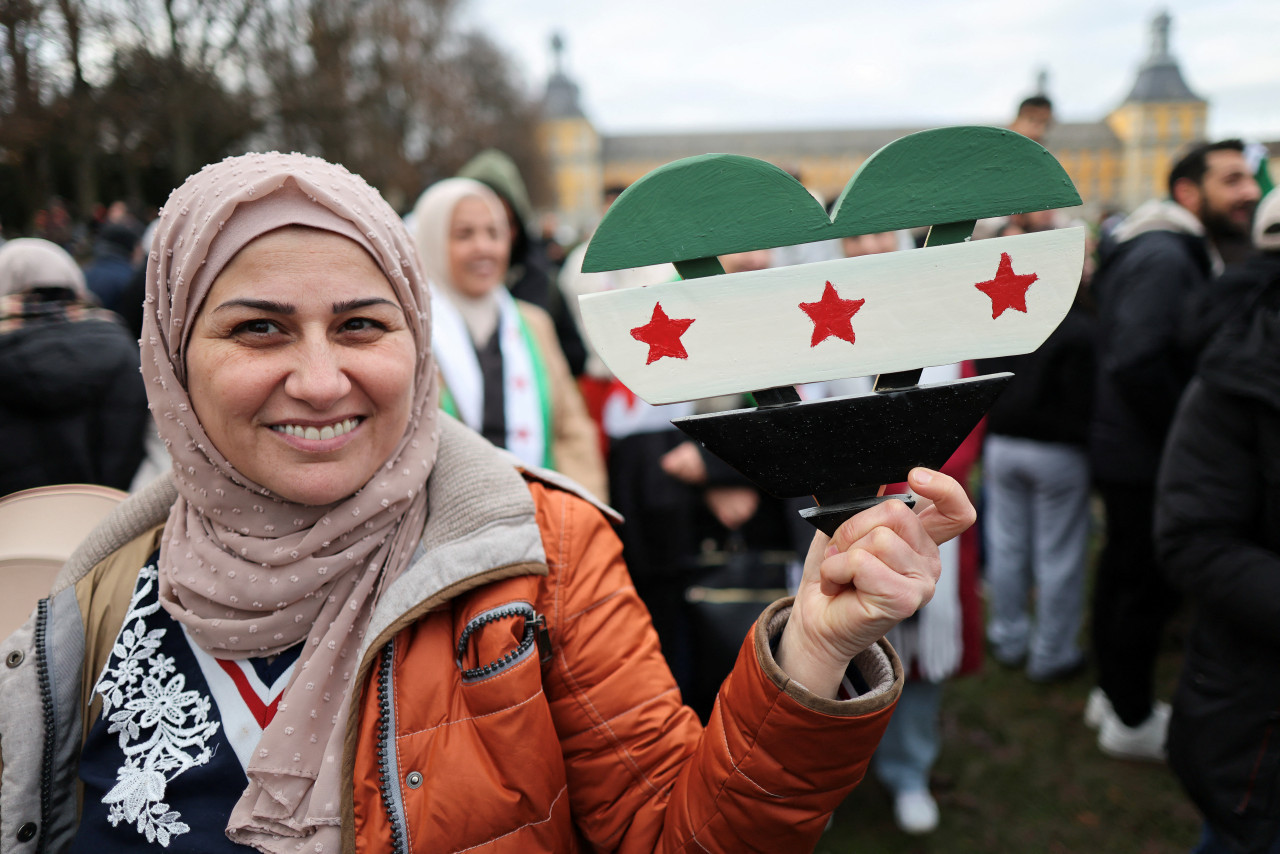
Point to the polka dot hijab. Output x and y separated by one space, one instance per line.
247 573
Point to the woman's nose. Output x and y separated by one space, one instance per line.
319 377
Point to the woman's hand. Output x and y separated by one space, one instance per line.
879 569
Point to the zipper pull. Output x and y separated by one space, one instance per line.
542 635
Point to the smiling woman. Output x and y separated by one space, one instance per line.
300 366
345 622
504 373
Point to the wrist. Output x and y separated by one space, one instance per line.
809 663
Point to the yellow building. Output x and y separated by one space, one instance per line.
1158 117
1118 162
571 147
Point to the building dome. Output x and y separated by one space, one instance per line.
1159 78
561 98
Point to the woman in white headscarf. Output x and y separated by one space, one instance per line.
504 373
72 407
346 623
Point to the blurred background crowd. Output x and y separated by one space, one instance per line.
1125 480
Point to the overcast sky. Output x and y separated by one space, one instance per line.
662 65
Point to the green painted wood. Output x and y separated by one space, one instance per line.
716 204
701 207
699 268
950 232
951 175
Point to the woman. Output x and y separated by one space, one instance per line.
504 373
72 407
346 623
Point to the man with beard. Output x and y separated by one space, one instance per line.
1164 259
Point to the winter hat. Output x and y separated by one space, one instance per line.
1266 223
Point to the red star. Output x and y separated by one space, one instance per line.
1007 289
831 316
662 334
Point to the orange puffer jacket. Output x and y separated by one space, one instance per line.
487 736
513 694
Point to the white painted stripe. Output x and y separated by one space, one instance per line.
922 308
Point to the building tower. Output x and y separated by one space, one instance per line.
1159 117
571 147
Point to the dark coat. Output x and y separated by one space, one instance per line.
109 273
73 408
1226 297
1050 398
1218 538
1142 291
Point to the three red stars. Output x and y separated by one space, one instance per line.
1008 289
662 334
832 316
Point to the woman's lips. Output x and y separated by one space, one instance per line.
318 437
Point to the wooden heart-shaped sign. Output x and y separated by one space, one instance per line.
767 330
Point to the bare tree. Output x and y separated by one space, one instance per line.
394 89
25 119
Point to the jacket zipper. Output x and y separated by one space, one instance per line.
388 768
535 634
50 727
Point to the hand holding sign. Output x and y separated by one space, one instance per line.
878 569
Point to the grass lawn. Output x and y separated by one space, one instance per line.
1020 772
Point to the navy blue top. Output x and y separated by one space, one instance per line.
158 768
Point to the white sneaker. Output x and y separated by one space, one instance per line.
1145 741
1097 709
915 812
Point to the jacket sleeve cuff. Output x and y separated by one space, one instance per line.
877 670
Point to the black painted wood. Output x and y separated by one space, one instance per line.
844 448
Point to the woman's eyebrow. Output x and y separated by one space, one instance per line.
356 304
259 305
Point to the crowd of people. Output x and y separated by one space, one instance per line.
311 311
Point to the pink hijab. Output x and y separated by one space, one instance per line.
247 573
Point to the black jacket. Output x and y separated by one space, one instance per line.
1226 297
1218 538
1050 397
1142 293
73 408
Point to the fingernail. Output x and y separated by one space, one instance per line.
922 476
832 550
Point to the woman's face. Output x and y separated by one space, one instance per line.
300 366
478 248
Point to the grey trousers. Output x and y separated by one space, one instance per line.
913 740
1037 524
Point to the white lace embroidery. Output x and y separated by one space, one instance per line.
163 729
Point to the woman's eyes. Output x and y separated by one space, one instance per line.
363 324
262 328
256 328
